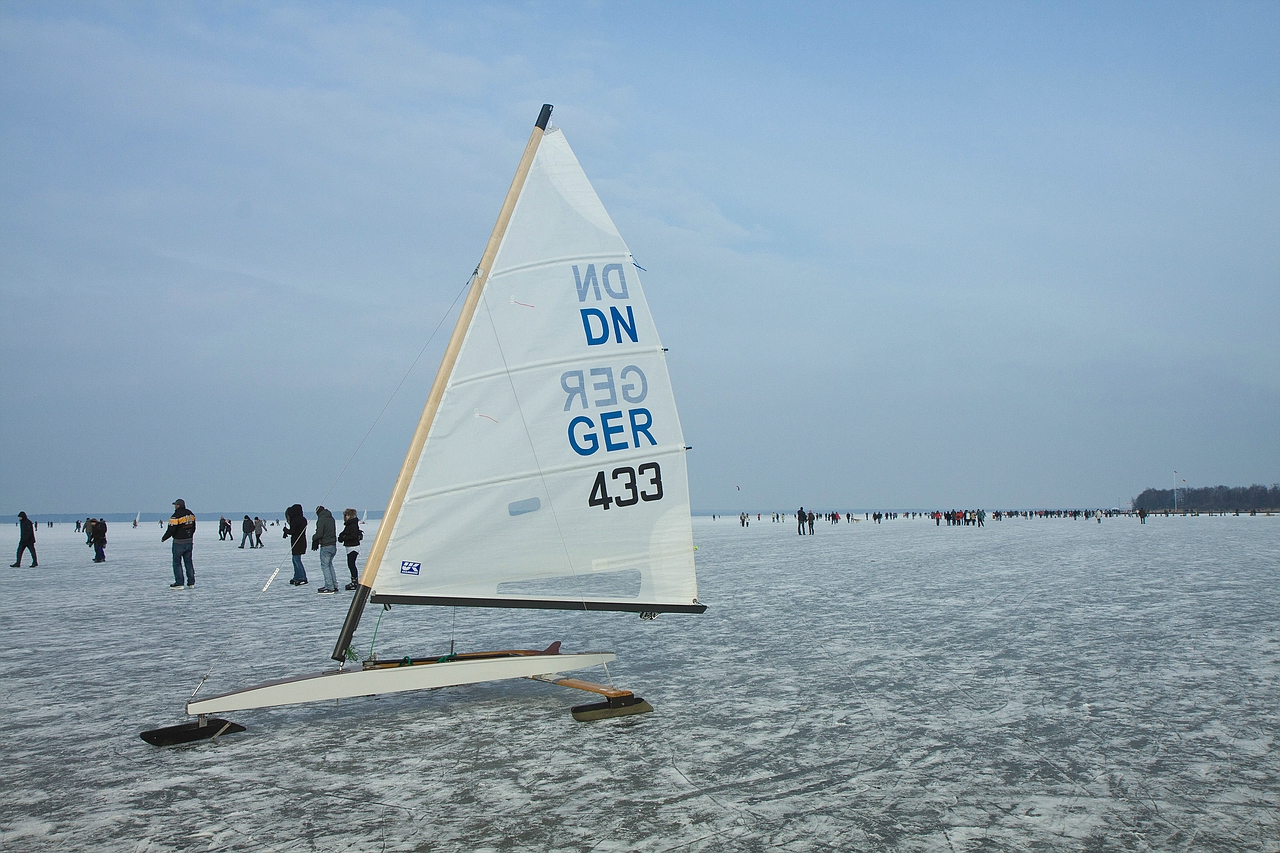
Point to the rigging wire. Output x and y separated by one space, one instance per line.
418 357
350 459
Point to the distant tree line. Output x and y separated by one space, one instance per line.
1212 498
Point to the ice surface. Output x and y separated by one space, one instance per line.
1050 684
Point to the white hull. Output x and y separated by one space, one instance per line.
369 682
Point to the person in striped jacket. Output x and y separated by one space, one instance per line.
182 530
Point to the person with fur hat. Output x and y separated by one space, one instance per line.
350 536
297 533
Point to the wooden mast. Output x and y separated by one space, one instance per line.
437 390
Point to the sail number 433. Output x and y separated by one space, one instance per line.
630 486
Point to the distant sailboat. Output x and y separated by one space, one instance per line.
547 469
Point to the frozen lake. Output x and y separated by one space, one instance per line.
1051 684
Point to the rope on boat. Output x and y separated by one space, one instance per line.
375 631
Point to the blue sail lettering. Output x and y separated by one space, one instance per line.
585 439
619 324
610 430
637 428
588 437
621 293
593 338
589 281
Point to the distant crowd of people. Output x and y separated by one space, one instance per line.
954 517
805 519
960 517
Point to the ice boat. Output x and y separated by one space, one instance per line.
547 469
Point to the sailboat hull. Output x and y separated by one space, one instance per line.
395 679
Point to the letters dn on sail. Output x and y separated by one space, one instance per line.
596 324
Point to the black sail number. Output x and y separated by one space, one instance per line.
655 481
600 493
629 485
642 483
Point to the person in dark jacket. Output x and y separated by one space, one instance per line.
350 537
325 540
99 540
246 532
182 530
296 532
26 540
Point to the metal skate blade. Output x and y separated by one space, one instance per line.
621 707
188 732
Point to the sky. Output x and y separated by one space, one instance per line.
915 255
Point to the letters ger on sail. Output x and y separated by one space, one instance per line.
553 474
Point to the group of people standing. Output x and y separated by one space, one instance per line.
250 531
960 518
182 528
95 536
804 519
325 540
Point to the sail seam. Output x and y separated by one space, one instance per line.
541 473
541 365
607 256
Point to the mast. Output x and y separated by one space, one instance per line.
371 565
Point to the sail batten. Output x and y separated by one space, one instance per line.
457 381
568 259
535 475
554 453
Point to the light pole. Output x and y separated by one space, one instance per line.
1175 489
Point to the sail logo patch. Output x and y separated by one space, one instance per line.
407 568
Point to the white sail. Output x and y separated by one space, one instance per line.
553 473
